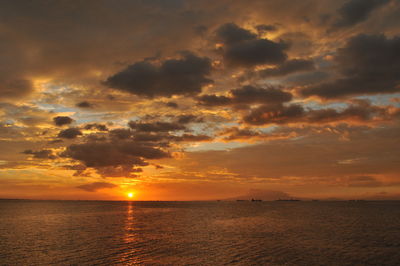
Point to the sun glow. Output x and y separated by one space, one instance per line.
130 195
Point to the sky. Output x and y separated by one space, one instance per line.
200 100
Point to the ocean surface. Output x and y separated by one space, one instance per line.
199 233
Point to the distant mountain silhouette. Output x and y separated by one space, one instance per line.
276 195
265 195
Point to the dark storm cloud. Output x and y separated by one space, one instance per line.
62 120
99 127
186 119
251 94
247 95
113 153
69 133
156 126
360 111
274 114
255 52
162 132
369 64
95 137
185 76
156 135
161 138
230 33
172 104
288 67
116 157
41 154
356 11
308 78
234 133
244 48
84 104
127 171
214 100
93 187
121 133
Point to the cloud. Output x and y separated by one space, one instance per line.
251 94
247 95
9 131
121 133
69 133
300 43
62 120
93 187
312 157
99 127
84 104
150 136
243 48
32 48
184 76
172 104
191 138
253 135
127 171
288 67
230 33
186 119
356 11
133 47
15 88
359 111
255 52
156 126
275 114
117 156
29 115
369 64
41 154
158 132
214 100
262 28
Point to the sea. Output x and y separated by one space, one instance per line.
199 233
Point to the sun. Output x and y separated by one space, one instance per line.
130 195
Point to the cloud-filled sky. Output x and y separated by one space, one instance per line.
200 100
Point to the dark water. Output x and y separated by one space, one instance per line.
199 233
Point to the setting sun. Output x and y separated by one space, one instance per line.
130 195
